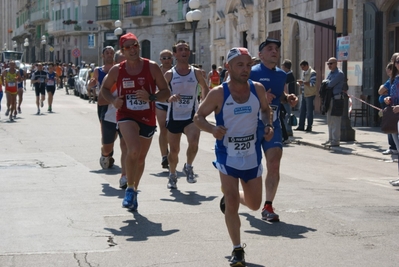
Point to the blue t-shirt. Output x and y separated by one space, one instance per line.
387 85
101 75
273 79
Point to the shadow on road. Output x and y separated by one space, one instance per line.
110 191
192 198
276 229
140 229
115 169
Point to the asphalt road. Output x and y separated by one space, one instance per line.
59 208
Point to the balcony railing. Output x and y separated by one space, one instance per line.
55 26
141 8
109 12
39 16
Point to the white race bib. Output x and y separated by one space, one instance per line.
50 82
185 101
41 80
133 103
275 113
11 84
241 146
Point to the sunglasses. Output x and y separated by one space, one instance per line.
397 61
330 63
165 58
128 47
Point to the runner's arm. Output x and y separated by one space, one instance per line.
202 83
211 104
109 80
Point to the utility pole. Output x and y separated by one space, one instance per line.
347 132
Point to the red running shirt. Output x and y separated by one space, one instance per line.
127 85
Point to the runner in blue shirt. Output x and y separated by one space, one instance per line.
273 79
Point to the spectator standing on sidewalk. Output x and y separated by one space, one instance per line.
384 91
290 89
336 80
236 105
309 91
273 79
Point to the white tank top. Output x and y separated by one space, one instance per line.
186 87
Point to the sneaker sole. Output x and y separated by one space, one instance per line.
238 264
271 220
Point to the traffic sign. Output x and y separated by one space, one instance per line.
76 53
343 46
91 41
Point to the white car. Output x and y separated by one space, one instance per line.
82 81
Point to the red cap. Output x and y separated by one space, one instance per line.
128 36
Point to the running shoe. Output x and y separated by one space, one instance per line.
7 112
38 111
41 103
222 205
19 110
188 171
172 181
49 109
390 152
11 119
238 257
165 162
269 215
123 182
106 162
393 181
15 115
130 199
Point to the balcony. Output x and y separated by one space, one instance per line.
106 15
40 16
55 27
138 10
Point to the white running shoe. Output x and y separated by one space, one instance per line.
123 182
105 162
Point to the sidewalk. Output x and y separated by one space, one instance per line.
370 141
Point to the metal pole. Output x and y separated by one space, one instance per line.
347 132
194 26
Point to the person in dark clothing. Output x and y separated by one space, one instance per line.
290 89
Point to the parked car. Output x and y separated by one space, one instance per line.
82 81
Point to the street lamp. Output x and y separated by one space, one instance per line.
26 44
118 31
14 45
193 16
43 42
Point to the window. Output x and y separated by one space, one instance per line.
275 16
325 5
146 49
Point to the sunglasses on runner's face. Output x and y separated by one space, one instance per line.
165 58
128 47
330 63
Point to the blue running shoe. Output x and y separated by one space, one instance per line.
128 201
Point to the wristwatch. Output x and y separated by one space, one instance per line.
269 125
152 97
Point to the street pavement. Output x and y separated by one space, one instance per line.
59 208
